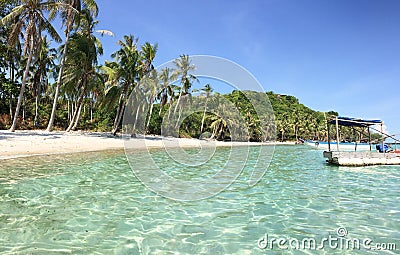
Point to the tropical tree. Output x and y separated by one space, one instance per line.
152 84
207 92
83 50
122 76
166 93
69 16
29 18
184 68
147 55
130 66
9 60
219 126
44 64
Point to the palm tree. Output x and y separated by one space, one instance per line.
184 67
122 76
130 66
207 91
166 92
29 16
82 53
9 56
43 65
152 83
69 16
147 55
219 125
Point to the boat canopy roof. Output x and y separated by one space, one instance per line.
354 122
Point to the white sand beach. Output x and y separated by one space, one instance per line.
36 142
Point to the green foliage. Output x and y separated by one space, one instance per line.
293 120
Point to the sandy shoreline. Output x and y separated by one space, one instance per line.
36 142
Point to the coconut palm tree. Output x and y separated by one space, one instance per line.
184 68
167 91
84 49
44 63
147 55
9 56
219 126
122 76
69 16
130 66
29 18
152 83
207 91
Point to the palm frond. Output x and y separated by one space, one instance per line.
99 46
103 32
92 6
52 32
9 18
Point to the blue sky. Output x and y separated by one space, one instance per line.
341 55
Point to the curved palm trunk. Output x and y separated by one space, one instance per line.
118 119
11 71
204 117
11 104
221 134
214 132
37 102
120 111
169 112
76 115
179 117
150 113
138 109
21 92
178 102
167 124
53 110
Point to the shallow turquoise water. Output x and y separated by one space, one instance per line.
92 203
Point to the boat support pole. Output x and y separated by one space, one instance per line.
329 137
383 139
369 139
337 133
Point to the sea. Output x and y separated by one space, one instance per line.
113 202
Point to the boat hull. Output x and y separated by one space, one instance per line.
342 146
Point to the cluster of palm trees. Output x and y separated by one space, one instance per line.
29 24
169 89
80 83
131 64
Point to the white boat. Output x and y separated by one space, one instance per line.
343 146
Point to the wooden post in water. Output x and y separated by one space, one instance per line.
337 133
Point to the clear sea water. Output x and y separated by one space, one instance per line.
92 203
